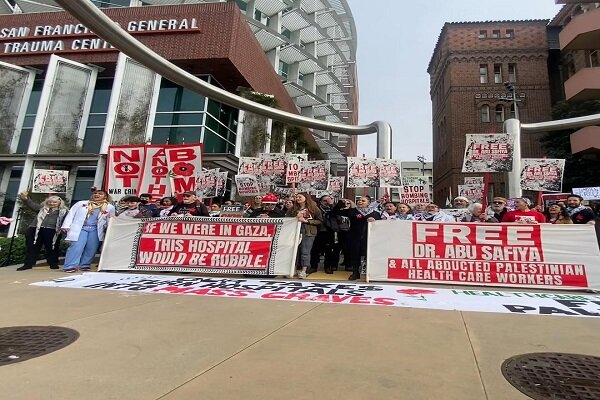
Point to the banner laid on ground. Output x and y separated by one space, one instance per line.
206 245
362 172
542 174
588 193
473 192
50 181
512 255
390 172
415 190
124 166
505 302
488 153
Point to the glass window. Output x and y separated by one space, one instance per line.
512 73
84 181
97 118
283 69
213 143
34 101
513 114
11 194
499 113
173 97
498 73
495 34
13 85
483 73
93 140
510 33
176 135
111 3
178 119
594 58
485 113
482 34
241 4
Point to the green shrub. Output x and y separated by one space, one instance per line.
19 249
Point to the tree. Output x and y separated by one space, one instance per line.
581 170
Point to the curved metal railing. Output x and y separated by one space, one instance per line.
108 30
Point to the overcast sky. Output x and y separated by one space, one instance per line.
395 42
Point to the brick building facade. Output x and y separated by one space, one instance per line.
469 66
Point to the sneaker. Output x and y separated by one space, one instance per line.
24 268
70 270
301 275
85 269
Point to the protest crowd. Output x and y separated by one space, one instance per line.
332 230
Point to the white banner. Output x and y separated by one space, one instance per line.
202 244
488 153
415 190
50 181
588 193
492 301
512 255
247 185
542 174
124 166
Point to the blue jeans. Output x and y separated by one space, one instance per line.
82 252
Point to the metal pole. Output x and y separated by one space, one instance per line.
513 127
105 28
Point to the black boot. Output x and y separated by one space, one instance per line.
24 268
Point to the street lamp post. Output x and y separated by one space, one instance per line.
421 159
513 92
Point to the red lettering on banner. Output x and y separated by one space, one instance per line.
181 185
182 154
488 272
206 245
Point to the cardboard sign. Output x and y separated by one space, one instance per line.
50 181
488 153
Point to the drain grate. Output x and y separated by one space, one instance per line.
20 343
553 376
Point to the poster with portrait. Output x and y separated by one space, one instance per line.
206 183
473 192
362 172
273 167
50 181
249 166
314 175
542 174
488 153
390 172
221 183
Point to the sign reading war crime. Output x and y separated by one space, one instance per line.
207 245
513 255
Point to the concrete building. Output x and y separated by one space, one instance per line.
578 24
67 95
468 68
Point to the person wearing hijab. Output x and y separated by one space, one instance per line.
85 226
44 230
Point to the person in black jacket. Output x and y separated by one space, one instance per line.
190 206
356 237
325 241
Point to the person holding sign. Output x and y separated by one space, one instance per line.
44 230
522 214
578 212
189 207
307 212
85 226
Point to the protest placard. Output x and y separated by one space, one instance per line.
362 172
50 181
542 174
488 153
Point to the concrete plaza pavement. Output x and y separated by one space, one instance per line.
162 346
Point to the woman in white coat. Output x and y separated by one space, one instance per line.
85 226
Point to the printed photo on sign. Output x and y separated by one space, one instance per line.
206 183
473 192
542 174
488 153
362 172
314 175
390 172
249 166
273 166
50 181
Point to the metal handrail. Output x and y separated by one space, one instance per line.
105 28
560 124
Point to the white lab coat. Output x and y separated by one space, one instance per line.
76 218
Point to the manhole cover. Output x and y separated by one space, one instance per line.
554 376
20 343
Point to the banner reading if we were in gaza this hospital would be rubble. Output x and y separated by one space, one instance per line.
512 255
206 245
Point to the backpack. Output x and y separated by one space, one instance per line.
338 223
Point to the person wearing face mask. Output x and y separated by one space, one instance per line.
148 209
44 230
